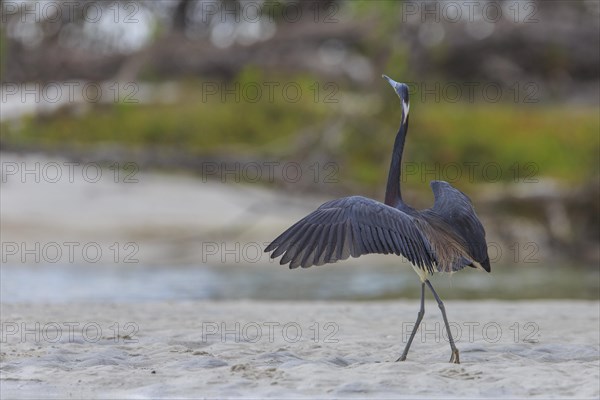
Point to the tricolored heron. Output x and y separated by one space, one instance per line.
444 238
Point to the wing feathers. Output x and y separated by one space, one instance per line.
447 237
352 226
460 232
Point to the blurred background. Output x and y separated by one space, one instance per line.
151 150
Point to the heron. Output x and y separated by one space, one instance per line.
444 238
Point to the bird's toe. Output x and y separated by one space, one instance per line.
454 357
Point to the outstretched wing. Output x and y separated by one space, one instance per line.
453 212
352 226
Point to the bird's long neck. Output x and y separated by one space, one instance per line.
393 196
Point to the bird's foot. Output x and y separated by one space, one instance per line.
402 358
454 358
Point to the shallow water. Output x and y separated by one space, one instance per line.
65 283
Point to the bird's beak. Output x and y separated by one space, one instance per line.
390 80
401 90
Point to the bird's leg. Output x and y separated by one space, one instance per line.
414 331
454 358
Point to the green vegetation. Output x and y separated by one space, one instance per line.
194 124
482 142
500 142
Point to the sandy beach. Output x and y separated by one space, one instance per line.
540 349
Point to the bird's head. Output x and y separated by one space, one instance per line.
402 92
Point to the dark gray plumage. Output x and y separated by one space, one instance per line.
444 238
356 225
